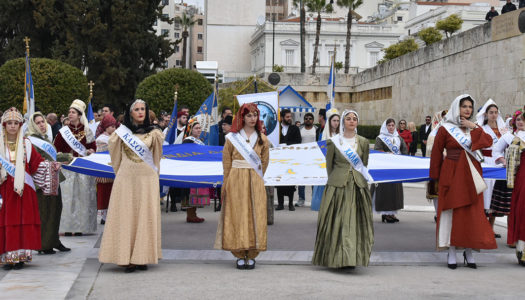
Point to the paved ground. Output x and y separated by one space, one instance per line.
403 265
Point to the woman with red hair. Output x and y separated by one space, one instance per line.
242 226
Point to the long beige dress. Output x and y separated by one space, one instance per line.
243 222
132 232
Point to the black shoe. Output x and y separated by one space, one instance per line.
240 266
102 222
130 269
497 235
7 267
62 248
78 234
387 219
18 266
519 255
142 267
451 266
435 219
250 266
173 208
291 207
393 217
465 261
68 234
48 251
279 207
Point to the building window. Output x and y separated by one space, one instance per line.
165 16
199 22
165 2
374 58
177 49
400 18
289 57
177 23
199 36
176 35
177 8
178 62
164 32
199 49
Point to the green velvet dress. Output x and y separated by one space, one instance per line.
345 231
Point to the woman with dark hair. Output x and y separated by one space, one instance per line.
404 133
194 197
514 143
461 220
79 197
345 230
388 197
242 225
132 236
490 120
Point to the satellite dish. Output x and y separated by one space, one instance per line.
274 78
261 20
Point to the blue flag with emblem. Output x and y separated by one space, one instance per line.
207 117
171 134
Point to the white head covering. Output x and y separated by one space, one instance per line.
342 122
453 115
508 125
482 115
384 133
326 131
13 114
33 129
81 107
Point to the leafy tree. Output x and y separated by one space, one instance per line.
113 42
352 5
399 49
430 35
302 17
450 24
186 22
338 66
56 84
158 90
317 6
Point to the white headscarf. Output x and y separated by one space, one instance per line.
342 122
326 131
81 107
482 115
508 125
385 134
14 115
453 115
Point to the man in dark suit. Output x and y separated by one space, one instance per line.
424 131
289 134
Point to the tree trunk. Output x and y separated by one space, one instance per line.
184 39
348 36
317 34
303 38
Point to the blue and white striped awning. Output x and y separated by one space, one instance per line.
299 108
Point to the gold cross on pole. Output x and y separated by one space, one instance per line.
27 40
91 84
176 95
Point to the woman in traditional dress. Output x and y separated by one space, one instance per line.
461 221
104 130
79 212
388 197
242 225
345 230
50 206
515 158
132 236
490 120
21 168
328 132
194 197
432 185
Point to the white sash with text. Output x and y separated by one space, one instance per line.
352 157
72 141
246 151
44 146
137 145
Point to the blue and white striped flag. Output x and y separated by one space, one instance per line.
331 86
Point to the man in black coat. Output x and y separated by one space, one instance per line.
491 14
289 134
424 131
508 7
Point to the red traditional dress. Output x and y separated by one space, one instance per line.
104 185
19 215
469 227
516 220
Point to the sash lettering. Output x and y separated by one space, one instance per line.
390 145
72 141
10 169
246 151
352 157
136 145
462 139
44 146
195 140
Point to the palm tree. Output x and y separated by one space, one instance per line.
352 5
317 6
300 4
186 22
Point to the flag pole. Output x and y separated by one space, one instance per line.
91 84
26 96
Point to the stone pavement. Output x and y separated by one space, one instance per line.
404 264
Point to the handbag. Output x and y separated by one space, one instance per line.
479 183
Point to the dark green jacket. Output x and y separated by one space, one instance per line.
340 170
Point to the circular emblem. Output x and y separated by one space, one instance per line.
274 78
268 116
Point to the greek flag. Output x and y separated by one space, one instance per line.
331 86
171 134
29 95
89 115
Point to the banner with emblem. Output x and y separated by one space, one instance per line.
268 104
